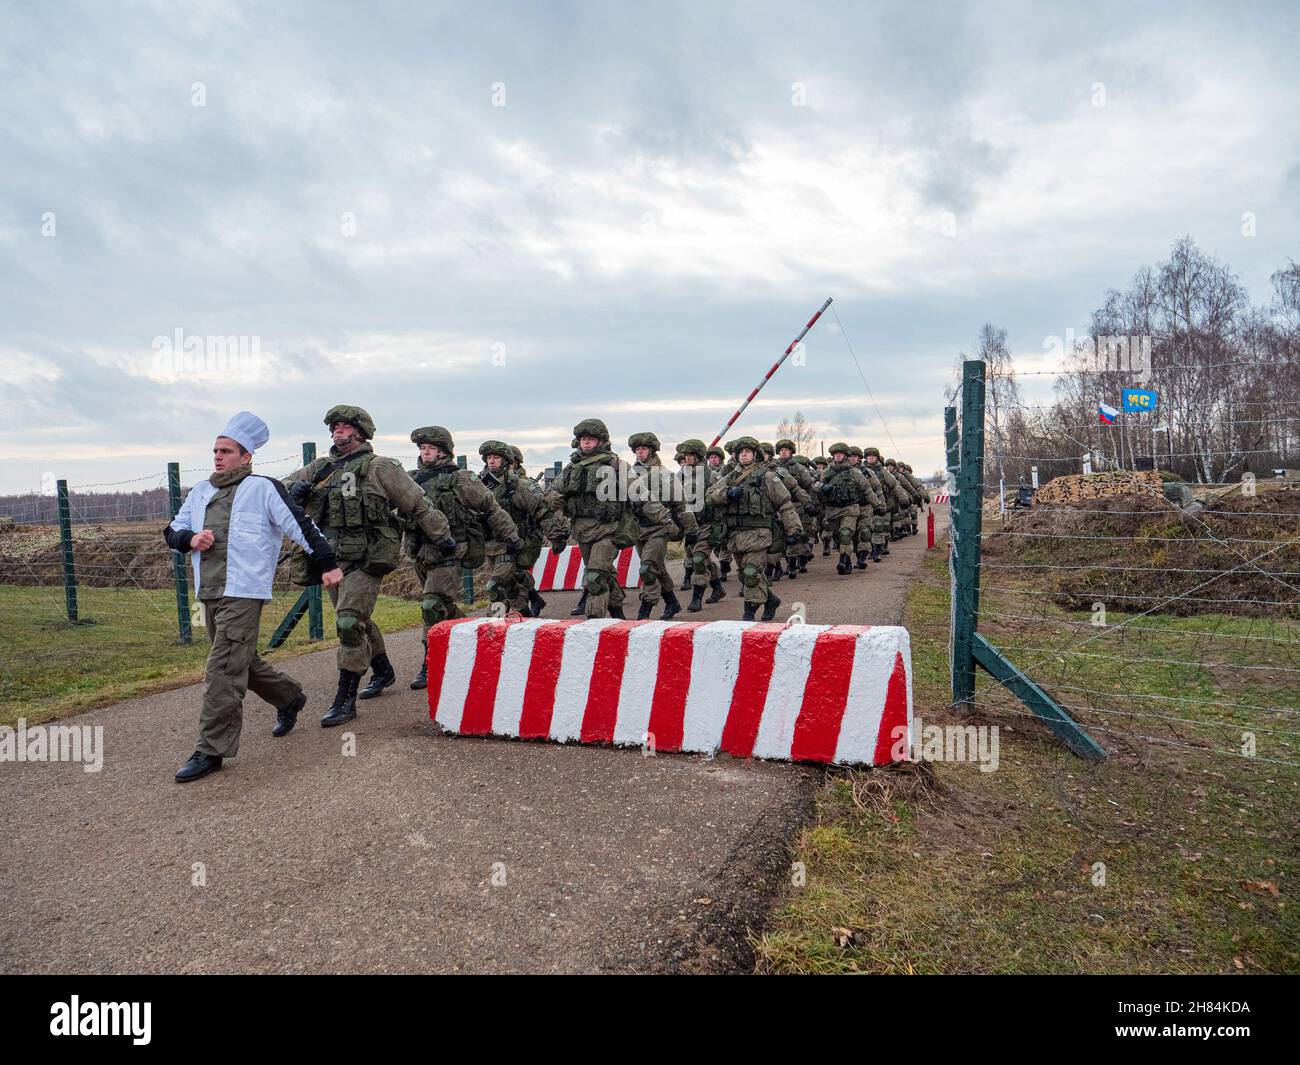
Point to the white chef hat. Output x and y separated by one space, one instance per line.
247 430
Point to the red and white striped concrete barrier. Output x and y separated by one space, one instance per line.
563 572
939 497
805 693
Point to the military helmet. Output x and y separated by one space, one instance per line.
746 441
692 447
839 445
786 443
821 460
496 447
435 435
353 416
871 451
768 452
890 462
730 445
715 450
855 450
516 456
649 440
591 427
803 460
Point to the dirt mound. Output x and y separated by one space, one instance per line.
1133 552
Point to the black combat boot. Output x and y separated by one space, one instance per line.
344 707
672 606
769 608
697 598
862 558
845 564
826 548
686 578
199 765
792 567
884 548
617 612
719 592
750 609
875 552
287 716
803 563
724 569
422 678
384 676
643 613
536 603
775 572
581 608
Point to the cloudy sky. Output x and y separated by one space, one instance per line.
504 218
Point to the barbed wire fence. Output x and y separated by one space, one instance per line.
1138 627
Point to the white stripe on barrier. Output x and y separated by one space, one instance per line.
551 573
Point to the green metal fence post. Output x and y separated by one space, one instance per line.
178 560
315 621
65 536
967 519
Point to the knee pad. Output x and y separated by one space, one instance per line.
432 609
845 536
749 575
348 627
699 561
648 573
595 582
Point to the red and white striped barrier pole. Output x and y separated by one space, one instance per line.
929 529
768 376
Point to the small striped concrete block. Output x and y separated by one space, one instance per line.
804 693
564 572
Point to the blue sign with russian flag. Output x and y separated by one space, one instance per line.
1140 399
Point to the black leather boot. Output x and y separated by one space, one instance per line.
862 559
697 599
383 676
686 578
199 765
536 603
875 552
826 548
617 612
422 678
884 548
769 608
718 592
287 716
644 612
845 565
672 606
750 610
581 608
344 707
792 567
803 564
724 569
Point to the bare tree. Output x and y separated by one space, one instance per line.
800 430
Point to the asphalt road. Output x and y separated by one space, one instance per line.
419 852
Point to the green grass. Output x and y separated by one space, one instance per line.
51 668
943 868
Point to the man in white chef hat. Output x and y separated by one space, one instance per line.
232 525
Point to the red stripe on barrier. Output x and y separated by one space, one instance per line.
543 673
753 393
547 583
606 679
894 717
757 649
672 683
571 571
817 728
624 564
482 695
435 660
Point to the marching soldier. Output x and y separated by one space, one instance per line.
587 492
703 571
716 457
751 498
841 494
512 581
895 496
797 556
820 465
780 551
468 507
662 518
871 503
350 494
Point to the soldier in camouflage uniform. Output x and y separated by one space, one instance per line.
511 582
913 489
662 517
717 458
842 491
798 555
871 504
470 509
351 494
895 496
751 498
779 552
692 457
820 464
587 492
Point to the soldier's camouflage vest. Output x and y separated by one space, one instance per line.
355 517
751 509
843 488
580 484
439 483
503 488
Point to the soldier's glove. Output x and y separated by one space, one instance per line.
692 539
448 546
514 547
734 492
558 545
823 488
300 491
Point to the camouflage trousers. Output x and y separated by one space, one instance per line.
653 550
703 569
508 583
842 525
441 594
600 580
359 637
749 550
863 531
233 669
880 527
